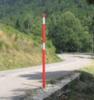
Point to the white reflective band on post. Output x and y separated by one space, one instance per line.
44 20
43 46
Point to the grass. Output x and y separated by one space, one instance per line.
18 49
83 88
89 68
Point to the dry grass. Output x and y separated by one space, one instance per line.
20 50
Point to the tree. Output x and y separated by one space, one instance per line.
17 24
67 33
92 33
27 25
90 1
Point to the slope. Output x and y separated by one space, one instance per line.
20 50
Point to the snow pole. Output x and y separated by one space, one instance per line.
44 52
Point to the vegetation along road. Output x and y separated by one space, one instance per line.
14 83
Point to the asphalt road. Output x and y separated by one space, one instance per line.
14 83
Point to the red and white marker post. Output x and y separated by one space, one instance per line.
44 52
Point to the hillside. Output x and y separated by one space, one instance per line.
21 50
32 8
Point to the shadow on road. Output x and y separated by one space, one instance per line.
19 97
50 75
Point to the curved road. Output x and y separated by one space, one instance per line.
14 83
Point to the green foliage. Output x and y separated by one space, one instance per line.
68 22
68 34
90 1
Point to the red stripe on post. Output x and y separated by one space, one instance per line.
43 68
44 32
